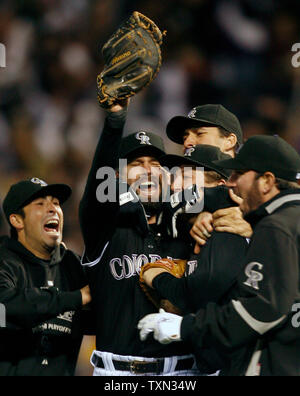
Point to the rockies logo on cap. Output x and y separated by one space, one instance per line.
143 138
36 180
192 113
188 152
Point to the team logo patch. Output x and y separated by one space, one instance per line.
143 138
253 276
68 316
36 180
192 113
188 152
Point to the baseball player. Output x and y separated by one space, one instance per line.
118 244
211 273
42 285
209 124
191 163
257 327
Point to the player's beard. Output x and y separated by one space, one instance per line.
152 208
251 200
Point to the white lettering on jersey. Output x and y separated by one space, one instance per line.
191 266
115 263
126 267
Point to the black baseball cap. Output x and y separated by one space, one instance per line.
25 191
266 154
209 115
202 155
142 143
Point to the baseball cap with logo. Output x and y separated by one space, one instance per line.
142 143
202 155
266 154
25 191
205 115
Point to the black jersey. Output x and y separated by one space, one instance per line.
209 275
42 301
259 326
115 250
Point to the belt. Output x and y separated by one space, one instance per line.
140 367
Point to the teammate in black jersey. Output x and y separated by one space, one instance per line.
258 327
118 244
211 273
42 285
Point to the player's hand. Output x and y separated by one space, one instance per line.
201 230
118 106
231 220
235 198
86 295
165 327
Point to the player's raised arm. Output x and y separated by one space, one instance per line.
132 59
94 210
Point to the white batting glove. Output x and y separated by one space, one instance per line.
165 327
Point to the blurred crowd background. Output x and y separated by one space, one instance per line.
233 52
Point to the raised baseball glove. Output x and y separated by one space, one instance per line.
173 267
132 58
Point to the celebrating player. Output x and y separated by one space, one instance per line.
210 274
207 124
256 327
42 285
211 124
122 234
119 238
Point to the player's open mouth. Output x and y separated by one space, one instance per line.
148 185
148 188
52 226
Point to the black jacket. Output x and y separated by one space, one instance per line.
42 334
209 275
116 248
257 327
